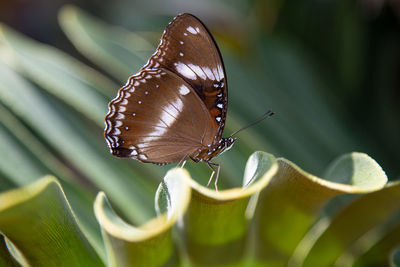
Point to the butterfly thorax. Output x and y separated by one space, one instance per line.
208 152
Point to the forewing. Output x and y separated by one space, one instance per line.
188 49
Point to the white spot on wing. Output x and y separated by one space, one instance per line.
191 30
133 151
183 90
209 73
142 157
185 70
197 69
117 131
173 113
220 72
169 115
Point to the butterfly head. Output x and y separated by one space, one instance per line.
226 144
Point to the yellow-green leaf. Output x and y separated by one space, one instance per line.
352 222
39 222
381 241
150 244
291 203
217 222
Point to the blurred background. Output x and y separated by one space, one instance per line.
329 69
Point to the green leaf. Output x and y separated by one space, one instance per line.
204 239
217 221
16 157
33 145
62 75
352 222
150 244
381 241
31 156
291 203
356 169
115 49
38 220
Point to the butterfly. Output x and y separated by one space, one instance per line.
175 107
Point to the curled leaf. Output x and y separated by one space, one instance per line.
291 203
56 238
352 222
150 244
218 221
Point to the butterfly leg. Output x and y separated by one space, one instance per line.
212 165
182 162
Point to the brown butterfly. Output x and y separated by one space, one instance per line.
175 107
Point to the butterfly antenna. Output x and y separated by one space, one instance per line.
264 116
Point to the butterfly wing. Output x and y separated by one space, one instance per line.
157 118
188 49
